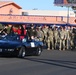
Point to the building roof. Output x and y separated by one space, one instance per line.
5 3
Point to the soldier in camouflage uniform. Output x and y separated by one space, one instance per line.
73 42
50 39
62 38
56 37
40 34
67 35
68 38
45 30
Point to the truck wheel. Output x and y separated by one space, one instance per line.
22 52
38 51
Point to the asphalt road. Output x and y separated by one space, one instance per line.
51 62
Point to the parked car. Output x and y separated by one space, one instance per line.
12 44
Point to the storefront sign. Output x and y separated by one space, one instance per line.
22 18
35 19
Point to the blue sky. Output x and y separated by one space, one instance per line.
38 4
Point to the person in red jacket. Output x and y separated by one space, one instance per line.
19 31
25 31
13 29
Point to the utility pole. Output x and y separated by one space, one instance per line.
68 15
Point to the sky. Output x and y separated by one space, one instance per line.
38 4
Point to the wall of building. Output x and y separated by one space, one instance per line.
8 8
48 13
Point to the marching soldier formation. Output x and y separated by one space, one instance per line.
60 38
53 37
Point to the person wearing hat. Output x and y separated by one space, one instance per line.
56 36
50 40
62 37
45 30
40 34
32 33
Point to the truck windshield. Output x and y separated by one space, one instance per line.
10 37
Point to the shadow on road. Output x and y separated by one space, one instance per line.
61 63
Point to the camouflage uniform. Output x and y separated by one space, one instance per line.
9 29
56 37
45 30
68 39
50 39
73 44
40 34
62 39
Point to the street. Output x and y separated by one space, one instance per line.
51 62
